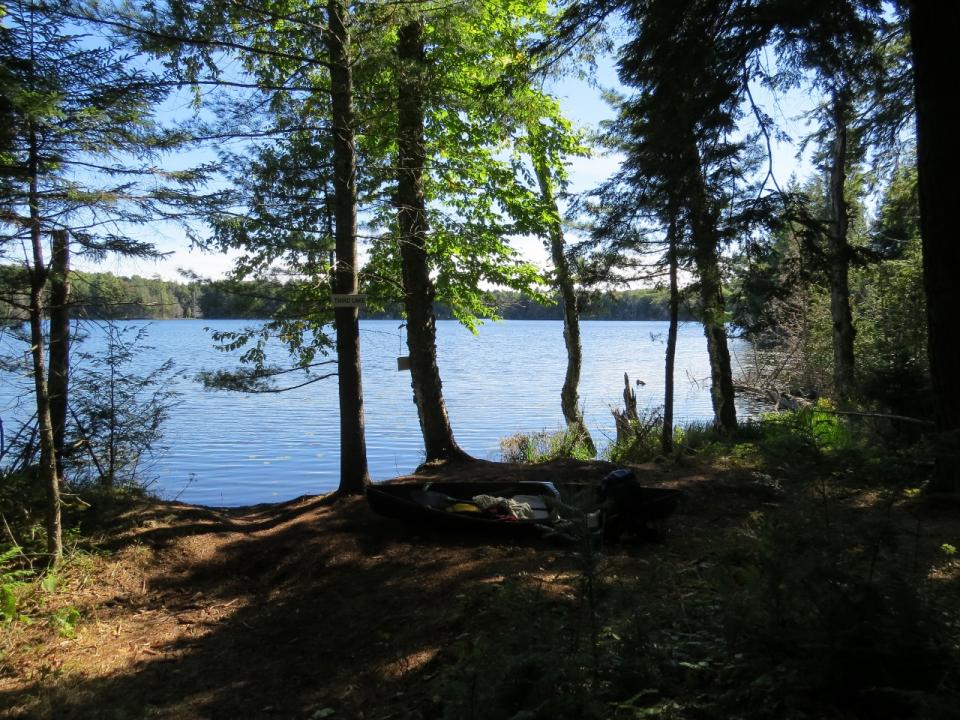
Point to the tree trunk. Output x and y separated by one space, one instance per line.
38 280
666 437
114 348
59 378
354 476
569 395
712 310
838 252
934 28
418 289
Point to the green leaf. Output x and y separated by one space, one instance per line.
65 621
50 583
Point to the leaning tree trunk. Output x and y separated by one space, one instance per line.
712 310
418 289
666 437
38 280
838 252
934 28
569 395
59 378
712 313
354 476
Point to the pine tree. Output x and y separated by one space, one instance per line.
835 45
686 63
78 164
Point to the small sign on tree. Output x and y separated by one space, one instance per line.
357 300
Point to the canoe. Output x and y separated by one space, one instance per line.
467 505
618 505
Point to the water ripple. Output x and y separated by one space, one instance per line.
232 449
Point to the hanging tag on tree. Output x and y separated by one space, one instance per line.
357 300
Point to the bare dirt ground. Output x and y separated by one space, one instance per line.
314 608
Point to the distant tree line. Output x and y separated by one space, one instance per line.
110 297
646 304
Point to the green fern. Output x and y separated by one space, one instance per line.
11 579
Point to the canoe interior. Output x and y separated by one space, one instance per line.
435 502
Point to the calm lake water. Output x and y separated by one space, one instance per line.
228 449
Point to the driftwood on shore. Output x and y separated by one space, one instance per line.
630 426
628 418
781 400
786 401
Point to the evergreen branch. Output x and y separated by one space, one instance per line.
219 44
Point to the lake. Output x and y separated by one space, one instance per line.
229 449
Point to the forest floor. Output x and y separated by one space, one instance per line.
313 608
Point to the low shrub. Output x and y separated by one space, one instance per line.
14 578
543 446
638 440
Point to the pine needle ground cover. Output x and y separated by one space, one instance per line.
784 587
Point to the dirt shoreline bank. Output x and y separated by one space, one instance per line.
313 608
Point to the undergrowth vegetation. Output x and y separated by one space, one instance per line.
29 595
545 446
814 429
30 585
818 602
803 582
774 629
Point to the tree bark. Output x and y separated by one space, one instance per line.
934 29
354 475
59 377
666 437
569 394
38 280
712 310
712 316
838 252
418 289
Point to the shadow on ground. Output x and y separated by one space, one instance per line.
286 611
311 608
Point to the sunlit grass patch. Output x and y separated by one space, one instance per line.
543 446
